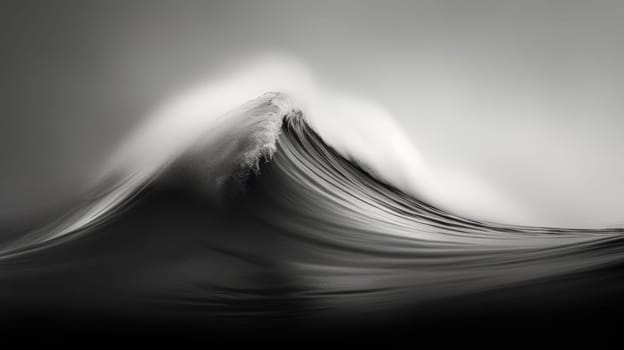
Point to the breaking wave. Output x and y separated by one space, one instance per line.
258 218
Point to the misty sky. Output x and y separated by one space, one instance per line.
524 96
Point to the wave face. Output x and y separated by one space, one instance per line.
262 221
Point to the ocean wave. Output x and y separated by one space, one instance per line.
258 217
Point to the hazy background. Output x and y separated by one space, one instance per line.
523 95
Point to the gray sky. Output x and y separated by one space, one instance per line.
523 95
